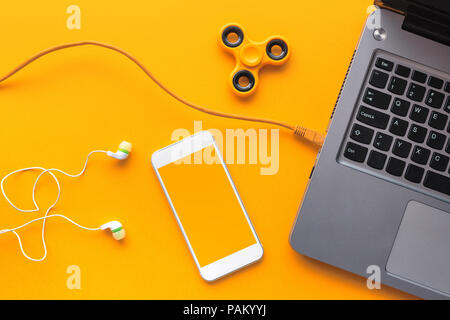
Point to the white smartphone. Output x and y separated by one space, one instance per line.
207 206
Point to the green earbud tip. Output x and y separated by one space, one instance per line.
116 230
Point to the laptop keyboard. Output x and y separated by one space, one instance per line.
401 128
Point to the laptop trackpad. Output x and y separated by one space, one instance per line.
421 251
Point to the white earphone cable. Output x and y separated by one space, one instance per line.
13 230
36 207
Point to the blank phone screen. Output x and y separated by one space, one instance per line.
208 209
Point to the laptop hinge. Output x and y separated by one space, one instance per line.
428 23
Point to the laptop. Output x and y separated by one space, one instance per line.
379 192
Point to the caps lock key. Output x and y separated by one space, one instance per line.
372 117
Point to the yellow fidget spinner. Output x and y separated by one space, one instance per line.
251 56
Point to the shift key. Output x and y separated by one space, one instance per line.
373 117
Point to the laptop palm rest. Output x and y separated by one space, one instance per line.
421 251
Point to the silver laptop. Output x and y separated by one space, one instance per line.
379 193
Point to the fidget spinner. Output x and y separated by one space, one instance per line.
251 56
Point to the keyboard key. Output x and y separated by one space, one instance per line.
435 82
419 113
439 161
384 64
398 126
377 98
400 107
447 87
419 76
376 159
434 99
355 152
416 92
438 120
382 141
395 166
447 105
373 118
378 79
436 140
417 133
420 155
401 148
437 182
414 173
397 85
402 71
401 127
361 134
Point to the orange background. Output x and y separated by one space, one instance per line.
65 105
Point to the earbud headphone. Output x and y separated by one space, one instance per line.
116 228
123 151
118 232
